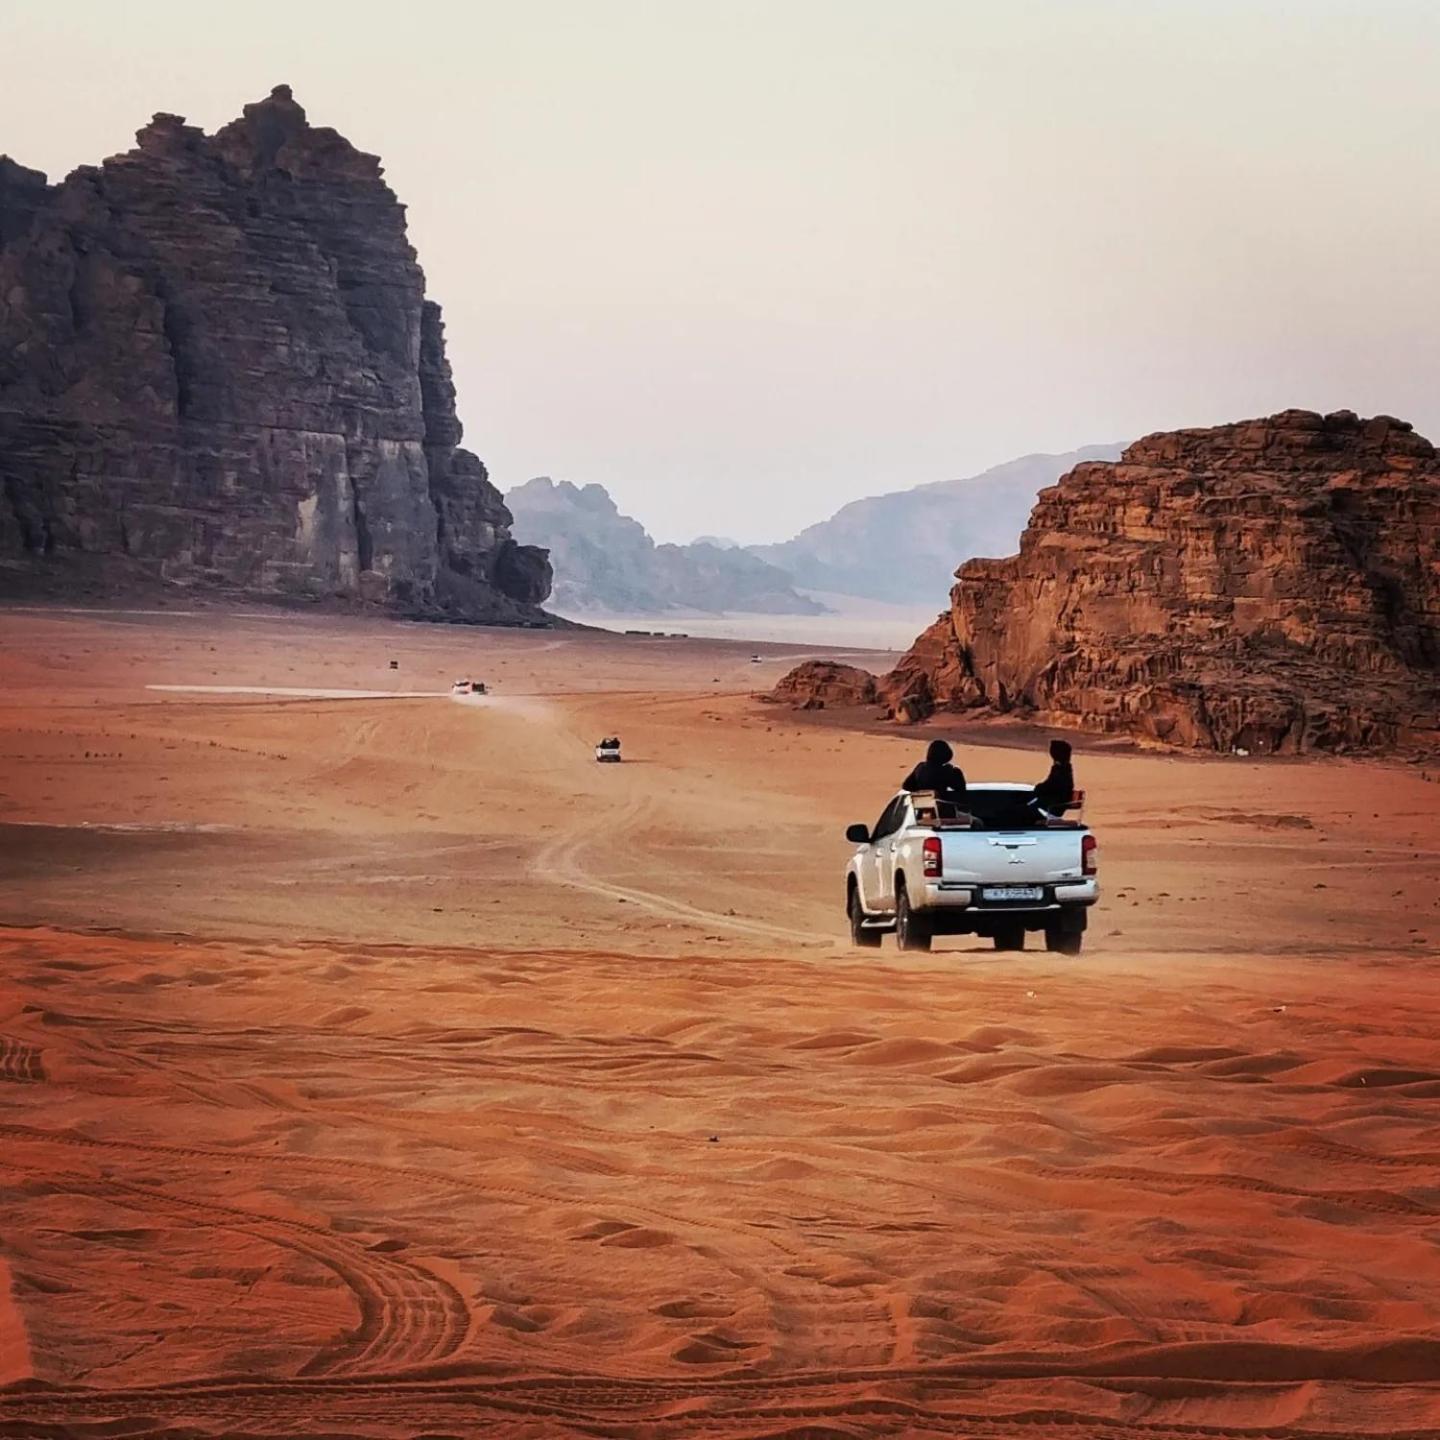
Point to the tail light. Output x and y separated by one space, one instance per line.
932 857
1088 857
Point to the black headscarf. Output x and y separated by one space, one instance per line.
1055 791
935 772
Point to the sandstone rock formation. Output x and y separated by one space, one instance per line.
814 684
1272 585
218 369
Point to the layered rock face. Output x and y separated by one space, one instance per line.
1270 586
218 369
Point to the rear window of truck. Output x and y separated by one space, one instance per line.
1001 810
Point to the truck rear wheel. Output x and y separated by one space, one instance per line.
911 931
859 935
1063 941
1010 936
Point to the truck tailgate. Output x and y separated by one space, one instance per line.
1010 857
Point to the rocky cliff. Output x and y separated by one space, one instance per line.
606 562
218 369
1272 585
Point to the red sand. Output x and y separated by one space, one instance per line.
388 1068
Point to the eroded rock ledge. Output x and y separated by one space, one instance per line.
218 369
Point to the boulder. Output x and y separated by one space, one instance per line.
817 683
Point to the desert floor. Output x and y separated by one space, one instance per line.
385 1067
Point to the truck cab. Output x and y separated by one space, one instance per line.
1000 868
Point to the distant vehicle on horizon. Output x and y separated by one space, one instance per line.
608 751
1000 869
468 687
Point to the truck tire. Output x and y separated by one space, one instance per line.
1063 941
1010 935
859 935
911 931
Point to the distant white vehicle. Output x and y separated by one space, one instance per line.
757 659
1000 870
468 687
608 752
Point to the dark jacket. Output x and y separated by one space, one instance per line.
1057 789
935 772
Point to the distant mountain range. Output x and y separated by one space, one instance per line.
606 562
904 547
900 548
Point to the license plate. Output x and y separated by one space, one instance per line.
1012 892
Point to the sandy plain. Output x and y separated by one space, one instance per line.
385 1067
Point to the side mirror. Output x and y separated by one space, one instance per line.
858 834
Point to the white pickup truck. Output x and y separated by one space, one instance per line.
999 869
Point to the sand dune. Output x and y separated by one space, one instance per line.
405 1072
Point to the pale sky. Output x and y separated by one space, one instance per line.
741 261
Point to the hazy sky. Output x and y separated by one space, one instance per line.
742 262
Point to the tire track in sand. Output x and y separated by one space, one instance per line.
409 1317
20 1063
566 859
569 858
972 1395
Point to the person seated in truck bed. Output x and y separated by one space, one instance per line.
1057 789
935 772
